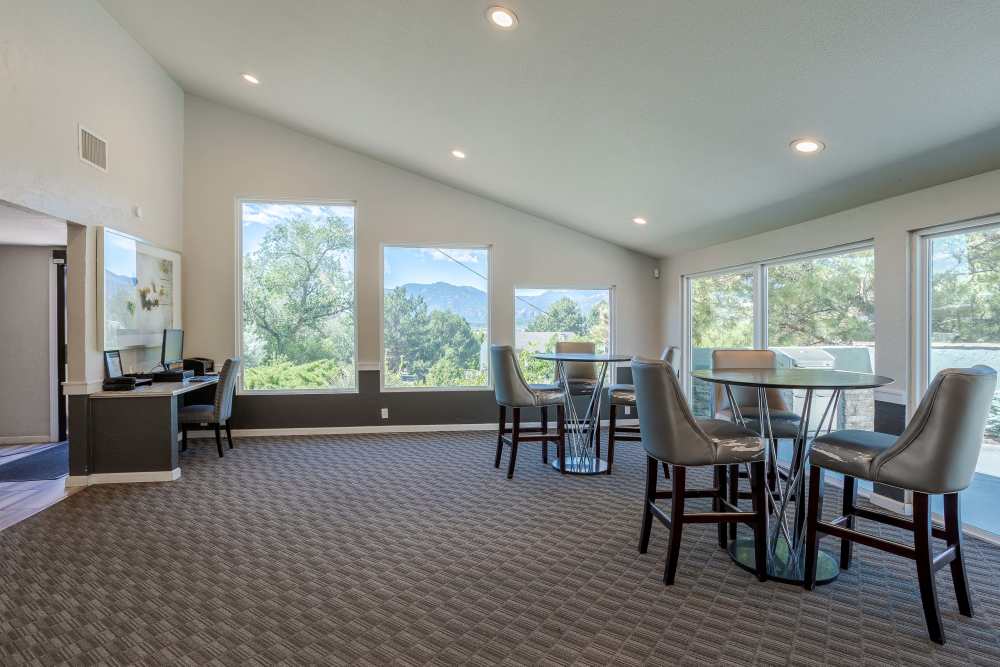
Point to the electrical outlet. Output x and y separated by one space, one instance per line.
628 409
385 413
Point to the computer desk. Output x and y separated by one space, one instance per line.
132 435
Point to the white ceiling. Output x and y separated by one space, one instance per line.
19 226
593 112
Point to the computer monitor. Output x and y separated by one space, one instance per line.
173 347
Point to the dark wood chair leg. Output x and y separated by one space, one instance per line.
545 431
515 435
650 497
734 494
666 471
847 509
218 440
721 487
953 529
925 566
184 438
500 428
229 434
561 446
812 518
759 500
676 524
772 469
612 414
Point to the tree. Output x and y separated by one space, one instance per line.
296 284
453 336
563 315
407 333
599 323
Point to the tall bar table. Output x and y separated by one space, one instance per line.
581 455
786 533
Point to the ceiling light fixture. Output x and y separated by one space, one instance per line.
807 145
250 78
457 153
501 17
639 221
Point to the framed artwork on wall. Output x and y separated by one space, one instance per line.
139 291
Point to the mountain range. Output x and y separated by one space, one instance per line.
471 303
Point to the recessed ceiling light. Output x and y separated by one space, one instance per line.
501 17
807 145
457 153
639 221
250 78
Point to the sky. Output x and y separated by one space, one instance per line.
119 254
458 266
258 217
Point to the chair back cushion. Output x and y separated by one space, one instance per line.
577 370
938 450
509 384
225 390
672 355
744 396
668 430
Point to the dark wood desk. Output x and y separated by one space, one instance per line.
132 435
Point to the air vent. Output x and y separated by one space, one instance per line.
93 149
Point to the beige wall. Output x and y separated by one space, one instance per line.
26 374
63 64
229 154
889 222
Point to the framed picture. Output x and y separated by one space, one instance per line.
139 291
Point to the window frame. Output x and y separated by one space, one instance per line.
488 247
760 315
239 202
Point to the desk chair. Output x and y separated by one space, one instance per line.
218 413
936 453
623 395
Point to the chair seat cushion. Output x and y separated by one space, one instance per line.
582 387
734 444
546 395
751 412
197 414
622 394
850 452
780 428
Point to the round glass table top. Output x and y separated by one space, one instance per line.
793 378
581 356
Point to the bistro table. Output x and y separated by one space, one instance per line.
786 543
581 454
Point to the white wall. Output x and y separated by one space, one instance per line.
68 63
26 373
889 222
229 154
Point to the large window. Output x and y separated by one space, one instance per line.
821 314
960 290
297 329
435 317
543 317
721 308
814 311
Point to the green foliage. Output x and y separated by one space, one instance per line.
563 315
965 298
537 371
428 348
298 302
722 311
283 374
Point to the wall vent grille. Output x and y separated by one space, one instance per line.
93 149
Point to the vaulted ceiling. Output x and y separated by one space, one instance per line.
593 112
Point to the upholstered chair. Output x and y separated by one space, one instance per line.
672 436
936 454
216 414
622 396
513 392
582 375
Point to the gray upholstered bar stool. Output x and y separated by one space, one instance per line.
217 414
671 435
512 391
622 395
785 423
936 453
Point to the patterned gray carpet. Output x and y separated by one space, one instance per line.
413 549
